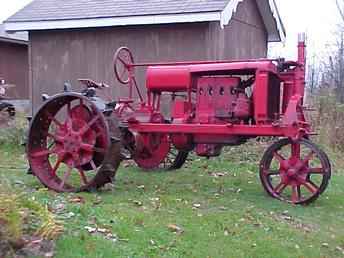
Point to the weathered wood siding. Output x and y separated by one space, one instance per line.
244 37
14 68
66 55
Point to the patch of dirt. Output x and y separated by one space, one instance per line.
27 246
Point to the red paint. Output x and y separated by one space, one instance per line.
174 79
238 98
214 104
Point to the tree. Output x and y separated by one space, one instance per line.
340 7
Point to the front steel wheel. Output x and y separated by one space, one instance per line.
297 172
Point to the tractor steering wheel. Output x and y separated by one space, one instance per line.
122 63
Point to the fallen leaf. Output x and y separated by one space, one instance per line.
174 228
102 230
325 245
90 229
218 174
196 205
77 199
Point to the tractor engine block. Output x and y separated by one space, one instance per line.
220 100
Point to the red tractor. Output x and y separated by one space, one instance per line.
77 140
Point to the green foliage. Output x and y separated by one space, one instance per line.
328 120
14 132
209 208
21 215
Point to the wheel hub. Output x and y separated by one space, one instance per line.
74 148
293 173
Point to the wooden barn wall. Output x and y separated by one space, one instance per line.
66 55
244 37
14 68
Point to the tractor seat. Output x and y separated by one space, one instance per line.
168 79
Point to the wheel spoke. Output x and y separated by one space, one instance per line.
313 188
271 172
123 73
295 150
122 61
69 120
316 171
278 157
295 195
57 165
280 187
52 118
299 191
83 176
89 124
41 153
87 147
65 177
307 158
93 165
55 137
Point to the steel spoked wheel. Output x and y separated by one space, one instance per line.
151 150
68 141
122 61
174 160
295 171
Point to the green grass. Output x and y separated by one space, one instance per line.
235 218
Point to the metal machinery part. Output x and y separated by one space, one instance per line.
7 110
149 151
73 146
213 104
295 171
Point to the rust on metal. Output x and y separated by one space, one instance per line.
77 140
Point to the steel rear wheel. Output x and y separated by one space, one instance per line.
297 172
69 140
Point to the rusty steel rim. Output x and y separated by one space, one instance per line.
68 140
297 172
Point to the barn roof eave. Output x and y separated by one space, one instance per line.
14 41
267 8
13 26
